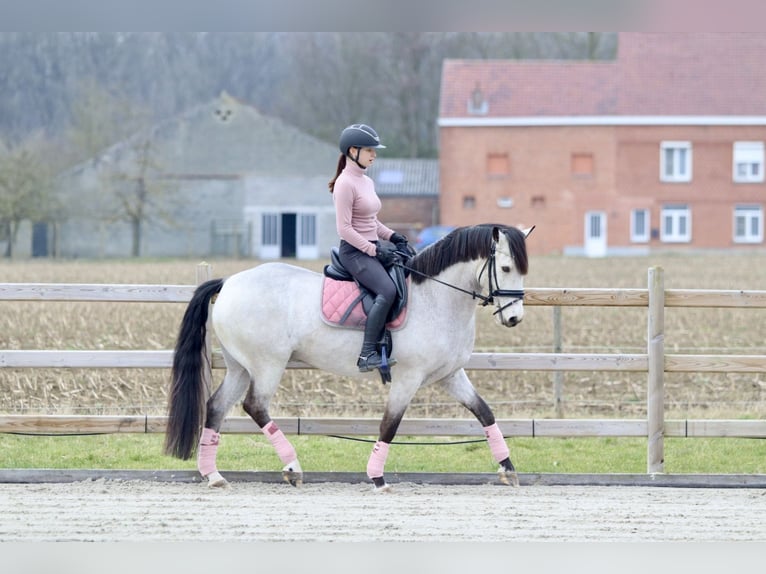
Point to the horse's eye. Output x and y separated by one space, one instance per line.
505 269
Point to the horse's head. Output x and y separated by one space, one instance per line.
498 253
503 274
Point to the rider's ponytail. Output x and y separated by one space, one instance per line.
341 166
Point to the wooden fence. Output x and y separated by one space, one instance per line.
655 362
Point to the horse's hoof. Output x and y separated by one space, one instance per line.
293 478
508 477
293 474
215 480
379 484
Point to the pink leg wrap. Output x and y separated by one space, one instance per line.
279 441
377 459
208 449
496 442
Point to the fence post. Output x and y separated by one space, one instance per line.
655 392
204 273
558 376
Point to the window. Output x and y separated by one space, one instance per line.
469 202
639 225
498 164
676 161
595 224
748 224
308 233
582 164
270 229
748 162
676 224
307 247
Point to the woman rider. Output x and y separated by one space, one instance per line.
361 251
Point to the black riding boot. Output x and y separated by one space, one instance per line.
369 358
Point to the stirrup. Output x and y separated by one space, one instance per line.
371 362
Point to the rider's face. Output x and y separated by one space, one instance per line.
367 155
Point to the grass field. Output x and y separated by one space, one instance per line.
408 454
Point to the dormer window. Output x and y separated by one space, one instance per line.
477 104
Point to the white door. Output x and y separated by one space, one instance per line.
595 234
306 244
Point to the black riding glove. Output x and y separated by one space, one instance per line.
399 240
403 248
385 253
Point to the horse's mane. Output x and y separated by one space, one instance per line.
467 244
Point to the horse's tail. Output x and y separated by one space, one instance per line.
188 393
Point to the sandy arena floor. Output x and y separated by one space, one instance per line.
114 511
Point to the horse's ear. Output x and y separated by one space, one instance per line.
528 230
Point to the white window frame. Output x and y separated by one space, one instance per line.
640 235
747 162
748 215
679 169
270 235
307 231
677 214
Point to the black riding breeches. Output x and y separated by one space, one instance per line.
368 271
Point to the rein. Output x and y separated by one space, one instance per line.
485 299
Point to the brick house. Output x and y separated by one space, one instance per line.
661 148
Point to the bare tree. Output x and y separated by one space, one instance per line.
136 191
131 187
100 118
333 81
410 74
25 187
316 81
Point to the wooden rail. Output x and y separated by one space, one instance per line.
369 427
674 363
655 362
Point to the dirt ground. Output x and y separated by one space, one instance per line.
116 511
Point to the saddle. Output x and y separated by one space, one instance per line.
345 303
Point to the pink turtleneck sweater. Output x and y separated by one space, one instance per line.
356 209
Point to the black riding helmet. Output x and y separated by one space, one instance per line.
358 136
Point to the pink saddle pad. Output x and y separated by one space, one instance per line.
338 296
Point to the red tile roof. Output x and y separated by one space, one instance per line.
656 74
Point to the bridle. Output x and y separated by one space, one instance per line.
490 266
